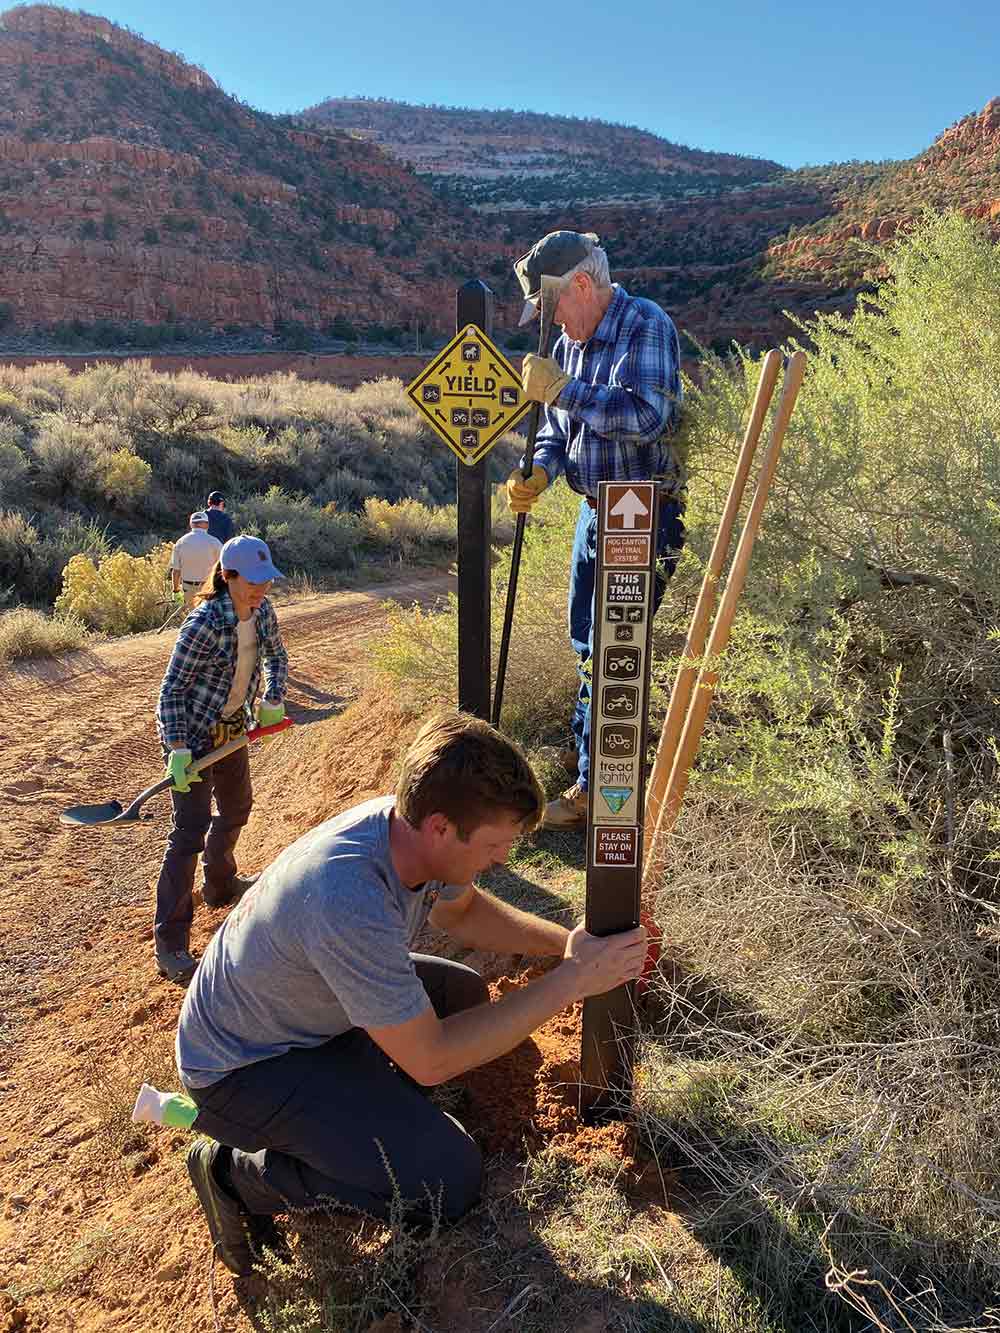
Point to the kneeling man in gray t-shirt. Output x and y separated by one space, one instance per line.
310 1024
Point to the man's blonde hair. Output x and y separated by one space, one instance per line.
461 767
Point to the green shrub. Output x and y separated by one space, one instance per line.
301 535
409 530
13 462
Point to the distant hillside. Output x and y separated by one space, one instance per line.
521 159
133 188
961 169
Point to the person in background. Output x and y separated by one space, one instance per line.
311 1028
193 558
207 698
611 399
220 525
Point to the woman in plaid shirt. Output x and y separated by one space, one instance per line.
207 698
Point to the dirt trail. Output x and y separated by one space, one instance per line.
80 730
81 1010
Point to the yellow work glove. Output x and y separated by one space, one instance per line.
542 379
523 492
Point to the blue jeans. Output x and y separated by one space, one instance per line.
582 576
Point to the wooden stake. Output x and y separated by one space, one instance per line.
708 676
694 645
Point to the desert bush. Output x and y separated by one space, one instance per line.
300 534
125 477
26 633
118 595
13 462
85 462
409 530
18 549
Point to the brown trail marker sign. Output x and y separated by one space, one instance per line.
470 394
623 603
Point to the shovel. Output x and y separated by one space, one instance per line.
112 812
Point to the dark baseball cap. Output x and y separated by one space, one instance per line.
216 498
553 256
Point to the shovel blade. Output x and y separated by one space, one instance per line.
108 813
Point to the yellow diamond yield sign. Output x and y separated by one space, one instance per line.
470 394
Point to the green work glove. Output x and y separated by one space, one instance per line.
179 597
522 493
267 715
542 379
177 763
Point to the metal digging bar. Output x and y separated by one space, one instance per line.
708 676
549 300
112 812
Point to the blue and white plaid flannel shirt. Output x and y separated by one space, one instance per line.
624 396
201 669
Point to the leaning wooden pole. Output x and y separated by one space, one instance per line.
708 676
694 645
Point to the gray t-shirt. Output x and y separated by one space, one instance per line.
319 945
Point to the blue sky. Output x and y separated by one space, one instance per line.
854 80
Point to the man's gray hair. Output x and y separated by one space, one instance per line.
595 266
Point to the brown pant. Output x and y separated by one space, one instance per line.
229 780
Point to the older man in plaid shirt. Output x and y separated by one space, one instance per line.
611 394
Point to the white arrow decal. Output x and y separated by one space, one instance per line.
629 508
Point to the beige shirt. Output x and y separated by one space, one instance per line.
246 660
195 555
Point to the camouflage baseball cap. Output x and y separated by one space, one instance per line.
553 256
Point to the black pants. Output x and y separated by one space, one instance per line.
338 1123
229 782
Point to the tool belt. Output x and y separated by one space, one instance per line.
228 728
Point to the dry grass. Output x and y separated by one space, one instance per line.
25 633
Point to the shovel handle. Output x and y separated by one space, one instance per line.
213 757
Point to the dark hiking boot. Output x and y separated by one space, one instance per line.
227 1220
231 895
178 966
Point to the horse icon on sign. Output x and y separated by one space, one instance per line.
470 351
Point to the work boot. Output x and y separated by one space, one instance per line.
237 888
568 811
227 1219
564 757
177 966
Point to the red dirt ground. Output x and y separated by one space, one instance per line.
99 1229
